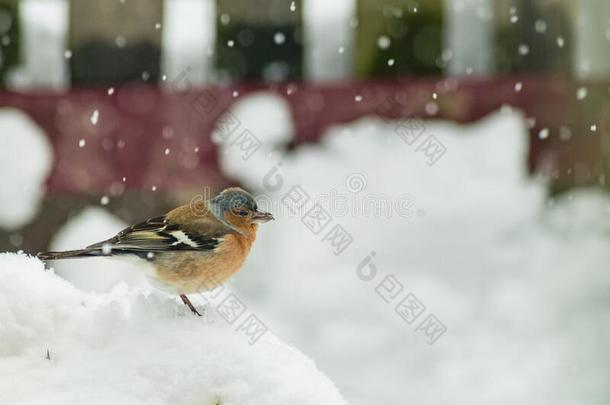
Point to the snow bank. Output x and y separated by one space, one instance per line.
273 133
133 348
519 281
25 162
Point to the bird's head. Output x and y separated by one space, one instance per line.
237 209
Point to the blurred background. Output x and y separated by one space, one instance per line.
468 140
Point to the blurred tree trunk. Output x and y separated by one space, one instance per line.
592 68
399 37
9 37
593 39
115 42
469 37
260 40
533 36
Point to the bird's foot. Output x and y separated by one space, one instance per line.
187 302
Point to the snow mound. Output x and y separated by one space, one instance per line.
96 274
519 281
22 178
271 133
60 345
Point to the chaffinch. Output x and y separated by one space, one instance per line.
193 248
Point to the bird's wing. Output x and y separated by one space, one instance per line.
158 234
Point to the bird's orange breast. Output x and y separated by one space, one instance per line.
192 271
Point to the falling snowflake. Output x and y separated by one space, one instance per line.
565 133
540 26
95 117
581 93
518 86
383 42
544 133
560 42
431 108
82 143
291 88
106 248
524 49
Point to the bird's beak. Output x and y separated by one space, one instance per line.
262 217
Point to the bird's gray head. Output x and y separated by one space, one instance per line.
235 207
233 198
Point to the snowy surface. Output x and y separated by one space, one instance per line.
127 347
273 132
519 280
25 162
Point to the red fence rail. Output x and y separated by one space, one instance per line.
137 123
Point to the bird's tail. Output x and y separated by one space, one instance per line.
69 254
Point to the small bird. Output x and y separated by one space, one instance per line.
193 248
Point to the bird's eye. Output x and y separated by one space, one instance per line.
243 213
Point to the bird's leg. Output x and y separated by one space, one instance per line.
188 304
